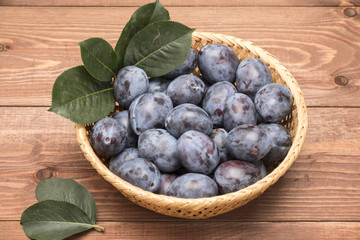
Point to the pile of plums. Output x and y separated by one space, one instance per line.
187 136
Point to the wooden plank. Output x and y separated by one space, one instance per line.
318 45
204 230
192 3
322 185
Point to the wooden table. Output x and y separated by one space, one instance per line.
318 41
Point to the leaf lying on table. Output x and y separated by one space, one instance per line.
80 97
144 15
166 47
55 220
69 191
65 208
99 59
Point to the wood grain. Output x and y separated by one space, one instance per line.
316 44
202 230
322 185
317 40
192 3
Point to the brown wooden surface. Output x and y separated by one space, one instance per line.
190 3
202 230
318 41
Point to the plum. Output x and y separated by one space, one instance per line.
248 143
251 75
186 89
149 111
218 63
108 137
130 83
239 110
234 175
193 185
281 142
141 173
273 102
198 152
187 117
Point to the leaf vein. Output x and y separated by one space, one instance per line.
99 61
72 223
85 96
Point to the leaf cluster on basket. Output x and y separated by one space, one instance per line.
178 134
150 41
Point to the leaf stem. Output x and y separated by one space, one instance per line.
99 228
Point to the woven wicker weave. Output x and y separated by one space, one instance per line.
202 208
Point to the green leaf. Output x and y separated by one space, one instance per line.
81 98
144 15
55 220
159 48
99 58
69 191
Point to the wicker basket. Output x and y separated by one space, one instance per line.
203 208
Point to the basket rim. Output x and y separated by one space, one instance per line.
252 191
